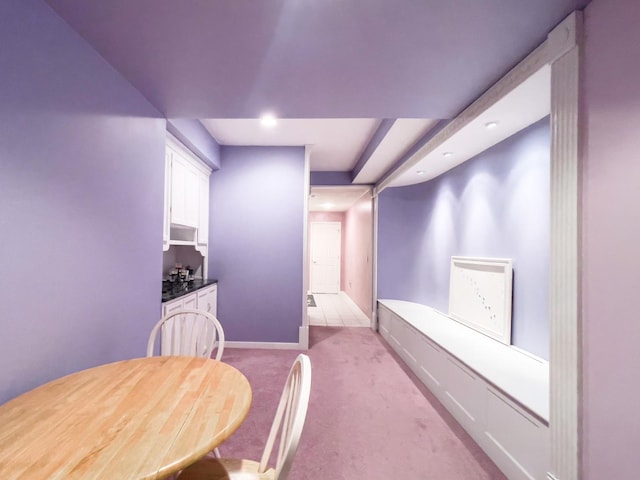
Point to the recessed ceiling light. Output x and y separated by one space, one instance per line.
447 154
420 172
491 125
327 205
269 120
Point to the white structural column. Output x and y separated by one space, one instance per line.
303 333
565 361
374 264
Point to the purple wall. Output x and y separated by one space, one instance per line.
495 205
330 178
255 242
81 198
611 241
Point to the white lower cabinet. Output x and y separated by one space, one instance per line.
463 393
408 342
186 301
514 439
384 323
430 364
205 299
168 336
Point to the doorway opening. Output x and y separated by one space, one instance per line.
340 246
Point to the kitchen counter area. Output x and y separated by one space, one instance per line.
173 290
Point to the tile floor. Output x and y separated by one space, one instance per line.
336 309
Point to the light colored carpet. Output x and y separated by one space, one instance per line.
369 417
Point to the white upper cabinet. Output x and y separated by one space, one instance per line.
203 210
166 227
186 197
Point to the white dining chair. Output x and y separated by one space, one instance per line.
285 430
188 332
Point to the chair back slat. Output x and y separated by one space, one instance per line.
289 419
188 332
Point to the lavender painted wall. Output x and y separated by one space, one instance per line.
495 205
330 178
357 254
255 242
81 198
610 240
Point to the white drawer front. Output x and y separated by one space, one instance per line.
430 365
513 433
384 322
464 393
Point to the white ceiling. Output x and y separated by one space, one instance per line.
402 135
335 199
523 106
337 143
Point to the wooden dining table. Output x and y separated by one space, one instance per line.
144 418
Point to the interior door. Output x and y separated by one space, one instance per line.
325 244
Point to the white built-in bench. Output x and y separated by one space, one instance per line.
497 392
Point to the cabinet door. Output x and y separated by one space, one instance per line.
190 301
430 358
208 300
178 183
464 394
516 441
203 209
409 340
184 192
170 336
167 200
384 322
192 196
165 334
172 306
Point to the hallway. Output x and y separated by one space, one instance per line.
336 310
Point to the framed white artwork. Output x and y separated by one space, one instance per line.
480 293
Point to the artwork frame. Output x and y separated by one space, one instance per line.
481 293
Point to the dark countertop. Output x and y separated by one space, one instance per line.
173 291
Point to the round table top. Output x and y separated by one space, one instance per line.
144 418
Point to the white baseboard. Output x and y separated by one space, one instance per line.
353 304
303 343
264 345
